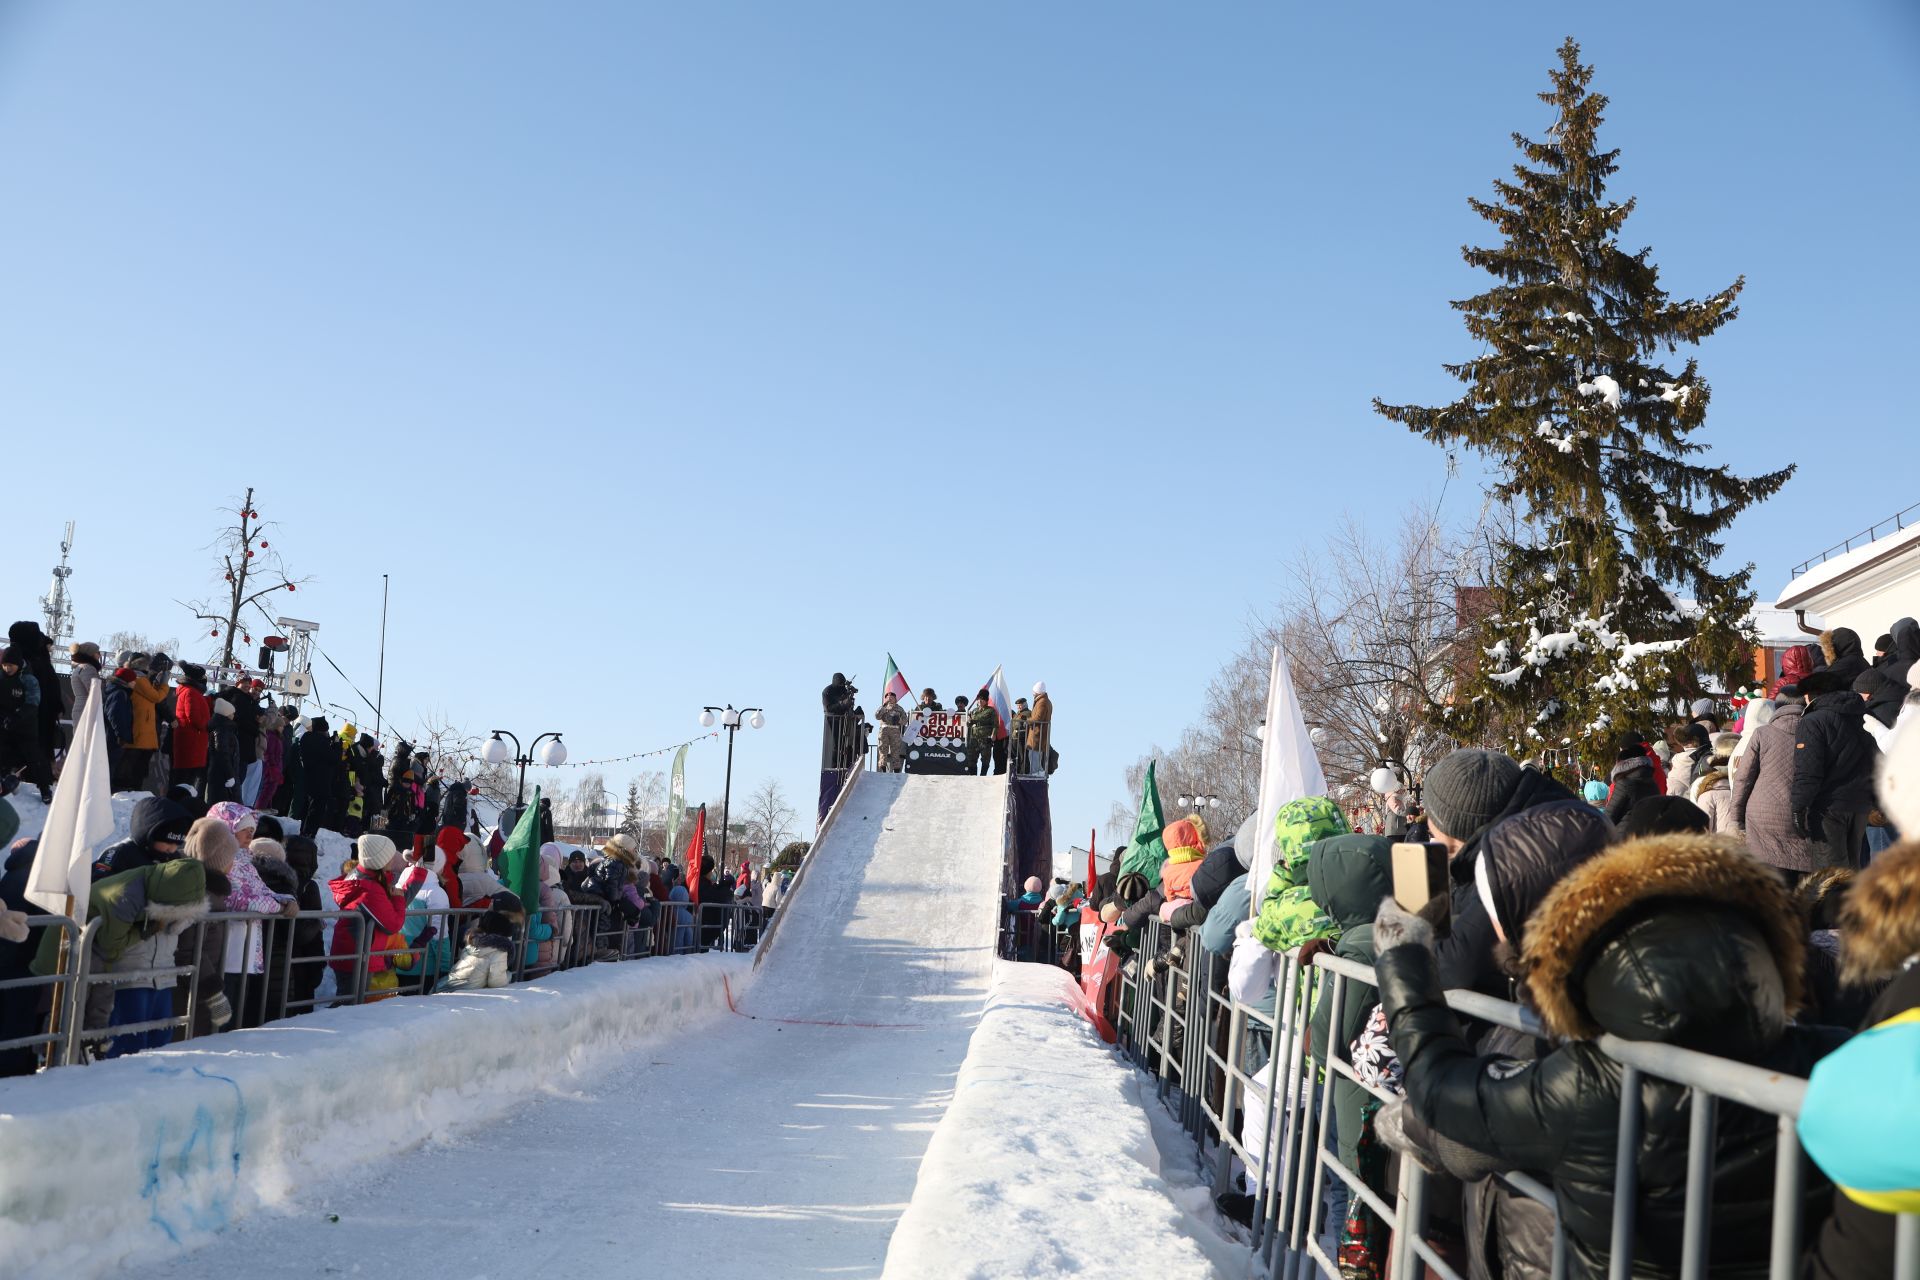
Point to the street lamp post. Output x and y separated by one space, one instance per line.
729 720
494 751
1198 802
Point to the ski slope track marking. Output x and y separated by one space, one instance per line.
815 1022
786 1141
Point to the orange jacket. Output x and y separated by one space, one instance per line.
147 697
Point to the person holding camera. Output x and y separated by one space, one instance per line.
840 700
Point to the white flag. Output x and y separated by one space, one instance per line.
80 821
1289 769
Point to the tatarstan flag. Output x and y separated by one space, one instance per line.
897 684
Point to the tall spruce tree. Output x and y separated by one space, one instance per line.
632 817
1617 515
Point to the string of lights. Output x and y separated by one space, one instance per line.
638 755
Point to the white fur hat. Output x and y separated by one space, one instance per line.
1039 687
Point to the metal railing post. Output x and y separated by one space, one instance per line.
1784 1258
362 956
77 997
1626 1177
1694 1233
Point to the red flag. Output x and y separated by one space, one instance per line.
1093 872
694 848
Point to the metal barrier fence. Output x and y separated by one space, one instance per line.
60 984
1246 1084
273 967
1025 759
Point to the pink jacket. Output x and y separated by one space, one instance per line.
249 893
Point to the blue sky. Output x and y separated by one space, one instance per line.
673 354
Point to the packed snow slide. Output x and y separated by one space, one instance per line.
782 1139
894 919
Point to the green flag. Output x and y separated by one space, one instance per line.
520 859
1146 851
676 799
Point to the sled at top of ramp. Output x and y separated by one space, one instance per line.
894 919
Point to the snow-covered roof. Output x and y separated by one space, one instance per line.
1825 574
1779 628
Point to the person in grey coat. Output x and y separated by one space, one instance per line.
1762 796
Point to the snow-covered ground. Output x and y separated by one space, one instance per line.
33 814
143 1157
1049 1161
784 1136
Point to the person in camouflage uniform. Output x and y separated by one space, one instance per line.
893 726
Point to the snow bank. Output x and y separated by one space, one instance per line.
1045 1163
33 814
141 1157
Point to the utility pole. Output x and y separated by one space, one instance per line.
380 689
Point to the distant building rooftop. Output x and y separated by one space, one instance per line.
1865 581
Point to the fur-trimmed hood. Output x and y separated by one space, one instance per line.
1716 779
177 915
1683 939
1880 923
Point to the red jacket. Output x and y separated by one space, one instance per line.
192 713
365 891
450 842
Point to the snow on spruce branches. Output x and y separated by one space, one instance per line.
1616 511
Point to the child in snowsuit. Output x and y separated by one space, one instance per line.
486 960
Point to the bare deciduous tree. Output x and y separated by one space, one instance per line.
1369 627
583 804
251 570
456 754
1370 631
769 819
119 642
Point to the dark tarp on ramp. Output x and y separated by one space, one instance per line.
1032 818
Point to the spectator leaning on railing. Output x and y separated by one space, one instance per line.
1682 940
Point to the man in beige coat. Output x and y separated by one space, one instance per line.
1039 729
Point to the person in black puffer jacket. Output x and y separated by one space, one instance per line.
1889 681
1681 940
1632 779
1508 1236
1841 648
1833 762
453 807
1468 794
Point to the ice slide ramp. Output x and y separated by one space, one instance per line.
781 1137
892 922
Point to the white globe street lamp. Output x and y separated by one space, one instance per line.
494 751
730 720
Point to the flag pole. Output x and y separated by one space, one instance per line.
59 971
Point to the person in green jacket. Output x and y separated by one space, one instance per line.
1347 876
142 914
982 723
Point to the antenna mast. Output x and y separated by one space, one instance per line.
56 607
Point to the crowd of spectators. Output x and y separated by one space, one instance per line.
1745 883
